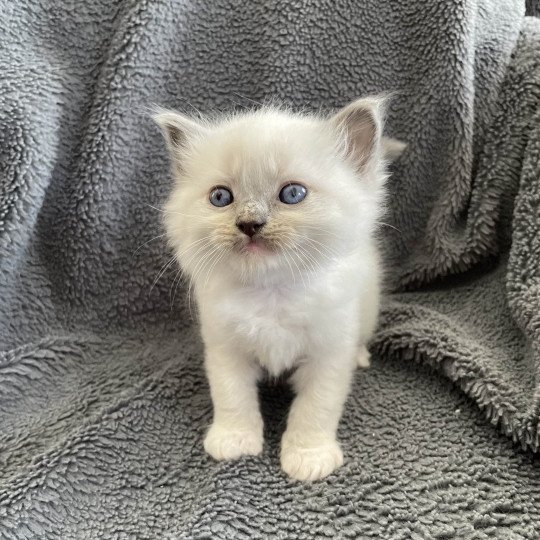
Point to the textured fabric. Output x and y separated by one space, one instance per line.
103 399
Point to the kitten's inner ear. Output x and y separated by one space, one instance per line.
361 124
179 130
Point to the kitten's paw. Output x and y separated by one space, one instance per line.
362 358
226 444
310 463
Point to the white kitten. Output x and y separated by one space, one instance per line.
272 218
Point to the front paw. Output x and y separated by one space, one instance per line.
224 443
312 461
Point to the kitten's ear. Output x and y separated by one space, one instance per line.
178 130
360 123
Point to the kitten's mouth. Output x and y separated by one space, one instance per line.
255 246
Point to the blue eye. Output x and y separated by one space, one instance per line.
292 194
221 196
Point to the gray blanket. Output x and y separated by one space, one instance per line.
103 399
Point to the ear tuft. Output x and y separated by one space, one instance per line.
361 124
392 148
178 130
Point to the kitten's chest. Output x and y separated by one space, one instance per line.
272 324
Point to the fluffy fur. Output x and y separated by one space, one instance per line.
303 294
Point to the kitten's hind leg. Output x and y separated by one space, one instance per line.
362 357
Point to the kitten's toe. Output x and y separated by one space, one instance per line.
362 358
226 444
311 463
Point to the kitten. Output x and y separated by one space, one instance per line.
272 217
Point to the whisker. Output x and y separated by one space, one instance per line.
208 266
290 266
192 276
327 252
316 241
193 244
177 280
301 275
320 230
221 255
258 103
190 286
327 255
314 263
164 269
388 225
200 265
199 251
174 213
174 257
147 242
298 268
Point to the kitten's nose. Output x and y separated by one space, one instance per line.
251 228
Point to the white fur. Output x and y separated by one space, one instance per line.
311 301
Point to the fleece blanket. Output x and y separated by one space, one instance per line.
103 398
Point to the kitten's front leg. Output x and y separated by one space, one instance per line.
309 449
237 428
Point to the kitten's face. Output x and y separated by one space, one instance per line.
266 196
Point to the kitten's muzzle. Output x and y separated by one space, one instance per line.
250 228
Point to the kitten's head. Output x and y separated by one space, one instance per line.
271 194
